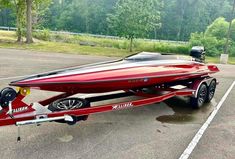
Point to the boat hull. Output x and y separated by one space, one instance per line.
117 78
108 86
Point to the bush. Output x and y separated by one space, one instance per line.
196 39
232 49
214 38
213 46
138 44
66 38
161 47
42 35
218 28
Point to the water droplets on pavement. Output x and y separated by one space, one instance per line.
183 113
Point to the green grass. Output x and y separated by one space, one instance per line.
7 40
217 60
104 47
138 44
67 48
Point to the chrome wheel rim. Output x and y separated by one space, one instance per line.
212 90
202 95
68 104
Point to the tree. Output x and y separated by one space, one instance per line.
79 16
134 19
179 18
17 6
214 37
229 29
218 28
20 18
23 10
182 17
233 30
31 4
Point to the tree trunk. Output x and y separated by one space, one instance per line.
131 44
2 16
29 38
87 24
182 14
155 33
18 23
7 21
19 34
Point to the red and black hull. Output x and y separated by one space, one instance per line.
118 75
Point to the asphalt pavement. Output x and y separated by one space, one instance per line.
161 130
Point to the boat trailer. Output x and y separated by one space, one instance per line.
16 112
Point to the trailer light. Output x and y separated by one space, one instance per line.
24 91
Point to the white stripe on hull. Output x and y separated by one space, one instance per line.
110 66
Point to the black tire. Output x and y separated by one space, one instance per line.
65 104
201 97
211 91
6 95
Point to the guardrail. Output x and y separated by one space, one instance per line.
8 28
96 35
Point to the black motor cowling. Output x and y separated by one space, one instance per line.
198 52
7 95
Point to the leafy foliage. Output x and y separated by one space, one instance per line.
218 28
18 8
133 19
182 17
87 16
175 20
179 18
122 44
214 37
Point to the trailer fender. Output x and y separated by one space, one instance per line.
197 83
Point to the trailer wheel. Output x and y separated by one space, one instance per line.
211 91
197 102
69 104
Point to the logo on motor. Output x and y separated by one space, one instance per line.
122 106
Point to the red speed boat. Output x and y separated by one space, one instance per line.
153 77
137 71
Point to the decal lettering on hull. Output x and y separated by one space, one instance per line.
21 109
122 106
138 80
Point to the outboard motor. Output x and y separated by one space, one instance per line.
198 52
7 95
